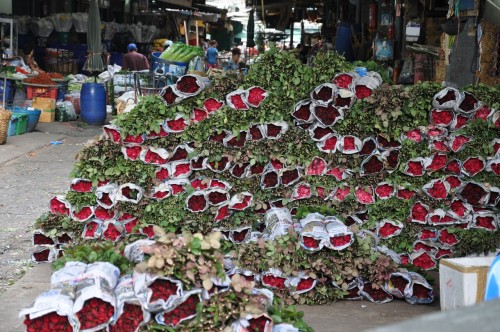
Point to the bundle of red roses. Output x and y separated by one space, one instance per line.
197 202
83 214
212 104
419 213
256 95
385 190
59 205
302 112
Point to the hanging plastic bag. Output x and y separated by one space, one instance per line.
406 76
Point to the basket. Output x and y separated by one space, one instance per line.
4 125
44 92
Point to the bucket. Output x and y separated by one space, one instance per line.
62 37
93 103
343 44
33 116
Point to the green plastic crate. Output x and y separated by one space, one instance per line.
22 123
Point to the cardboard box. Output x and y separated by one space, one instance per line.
462 281
48 108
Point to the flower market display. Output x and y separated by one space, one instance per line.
182 285
321 184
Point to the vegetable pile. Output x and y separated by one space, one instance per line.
180 52
323 184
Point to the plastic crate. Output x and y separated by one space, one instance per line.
43 92
12 127
22 123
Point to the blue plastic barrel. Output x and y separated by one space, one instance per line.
93 103
33 116
343 44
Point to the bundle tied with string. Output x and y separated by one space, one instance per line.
94 63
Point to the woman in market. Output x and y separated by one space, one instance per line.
29 58
212 54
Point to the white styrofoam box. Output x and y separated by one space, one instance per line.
462 281
412 33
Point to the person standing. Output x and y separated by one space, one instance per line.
212 54
133 60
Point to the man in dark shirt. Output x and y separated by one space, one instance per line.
133 60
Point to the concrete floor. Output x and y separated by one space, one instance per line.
32 170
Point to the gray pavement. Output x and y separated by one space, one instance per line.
32 171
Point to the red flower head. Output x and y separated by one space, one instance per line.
341 193
482 113
328 115
197 202
442 117
324 93
458 142
112 133
362 91
198 115
237 99
405 194
365 195
177 125
454 166
436 162
343 80
384 190
453 181
459 122
469 103
415 135
302 191
188 84
424 261
302 112
428 234
256 96
316 167
472 193
339 173
289 177
222 213
437 189
415 167
419 213
212 105
447 238
372 165
473 165
387 229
